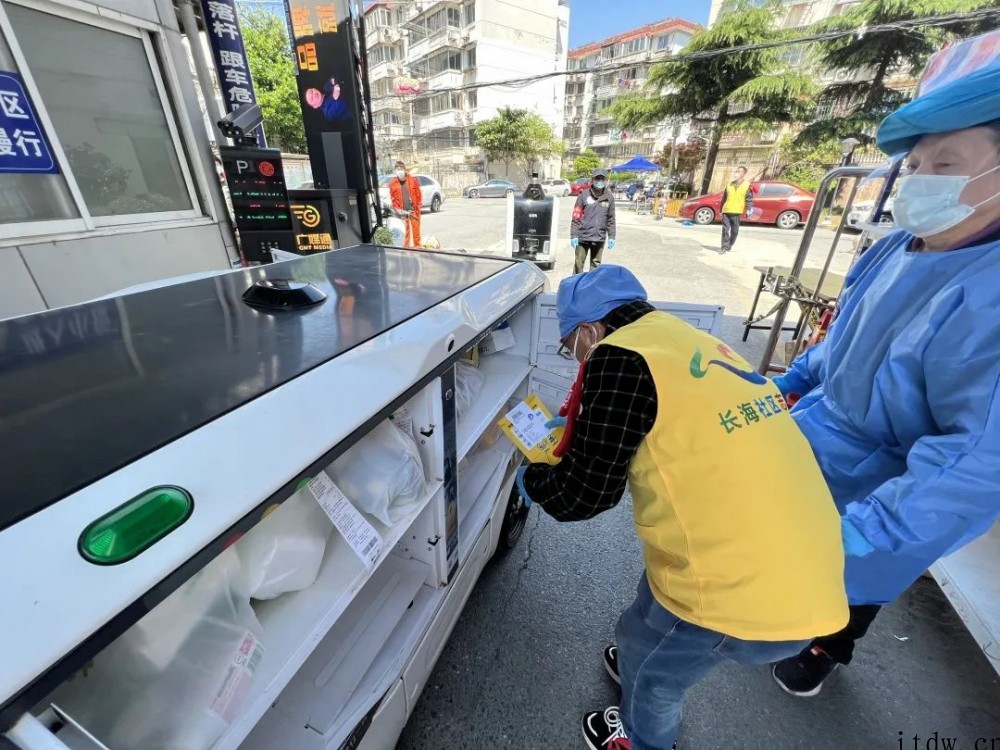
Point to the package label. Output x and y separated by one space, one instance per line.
238 677
354 527
525 426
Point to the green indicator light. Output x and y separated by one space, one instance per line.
135 526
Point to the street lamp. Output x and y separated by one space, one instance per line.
847 147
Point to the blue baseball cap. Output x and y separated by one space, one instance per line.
965 102
589 297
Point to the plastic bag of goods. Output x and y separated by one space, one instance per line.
283 552
468 384
177 679
382 473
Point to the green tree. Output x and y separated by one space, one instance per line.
517 134
269 55
585 164
688 156
806 164
737 91
858 106
540 142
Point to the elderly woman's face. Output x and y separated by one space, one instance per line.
966 153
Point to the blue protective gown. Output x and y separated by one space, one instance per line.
899 404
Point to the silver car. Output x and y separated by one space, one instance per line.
491 189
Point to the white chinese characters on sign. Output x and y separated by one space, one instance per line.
27 142
236 77
232 59
12 107
221 12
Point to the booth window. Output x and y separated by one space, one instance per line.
99 85
27 196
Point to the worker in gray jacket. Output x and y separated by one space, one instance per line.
593 222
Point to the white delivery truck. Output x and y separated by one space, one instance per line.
247 510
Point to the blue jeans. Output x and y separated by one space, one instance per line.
660 656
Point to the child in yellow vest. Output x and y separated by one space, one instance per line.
736 570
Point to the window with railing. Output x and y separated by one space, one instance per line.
379 18
437 103
381 53
435 22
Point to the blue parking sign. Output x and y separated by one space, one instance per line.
24 149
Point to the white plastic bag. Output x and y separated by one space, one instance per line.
284 551
468 383
381 474
177 678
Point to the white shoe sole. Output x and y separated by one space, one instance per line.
808 694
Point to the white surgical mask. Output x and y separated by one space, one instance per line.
928 204
599 184
400 174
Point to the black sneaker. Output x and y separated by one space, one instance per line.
803 675
602 730
611 663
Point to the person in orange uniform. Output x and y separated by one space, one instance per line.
404 192
737 570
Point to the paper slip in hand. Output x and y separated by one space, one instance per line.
361 535
525 426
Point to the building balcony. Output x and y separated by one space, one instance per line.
423 124
383 70
446 37
445 79
390 103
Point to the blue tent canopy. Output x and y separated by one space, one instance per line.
637 164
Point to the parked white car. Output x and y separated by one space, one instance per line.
556 186
861 213
430 190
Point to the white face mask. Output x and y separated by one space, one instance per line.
400 174
928 204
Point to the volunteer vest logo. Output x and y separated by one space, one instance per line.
697 371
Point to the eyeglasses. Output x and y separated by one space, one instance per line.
564 351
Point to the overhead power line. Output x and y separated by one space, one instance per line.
944 20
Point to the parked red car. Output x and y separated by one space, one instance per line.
579 185
779 203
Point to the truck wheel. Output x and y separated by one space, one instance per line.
514 521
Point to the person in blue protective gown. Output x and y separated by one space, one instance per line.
899 402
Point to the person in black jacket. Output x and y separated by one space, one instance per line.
593 222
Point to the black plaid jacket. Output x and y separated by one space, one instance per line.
618 411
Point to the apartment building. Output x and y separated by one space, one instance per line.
430 65
605 71
757 151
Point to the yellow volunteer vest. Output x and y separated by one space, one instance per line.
739 530
736 198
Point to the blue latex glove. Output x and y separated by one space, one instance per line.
555 422
855 544
520 485
574 242
611 244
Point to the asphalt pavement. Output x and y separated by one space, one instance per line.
524 662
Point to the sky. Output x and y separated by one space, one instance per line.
592 20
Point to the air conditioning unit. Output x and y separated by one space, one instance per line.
453 36
769 136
